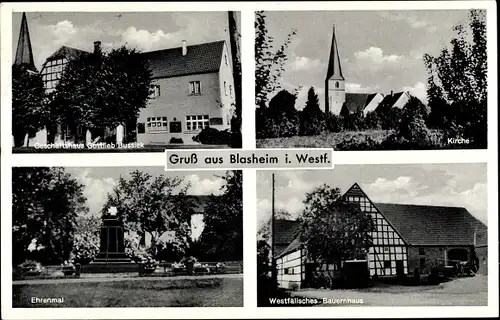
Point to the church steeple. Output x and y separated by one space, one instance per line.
335 81
334 68
24 52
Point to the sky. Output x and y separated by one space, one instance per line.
99 181
145 30
380 51
456 185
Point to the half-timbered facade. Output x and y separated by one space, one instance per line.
407 239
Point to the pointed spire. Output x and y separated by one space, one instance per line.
24 52
334 69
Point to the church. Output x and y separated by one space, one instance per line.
193 88
408 238
342 103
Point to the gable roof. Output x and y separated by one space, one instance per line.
357 102
432 225
285 230
200 58
416 224
68 53
389 100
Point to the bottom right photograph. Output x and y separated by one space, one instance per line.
373 235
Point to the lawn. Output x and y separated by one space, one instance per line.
215 292
324 140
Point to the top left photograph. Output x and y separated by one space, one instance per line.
125 81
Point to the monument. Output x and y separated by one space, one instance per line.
112 257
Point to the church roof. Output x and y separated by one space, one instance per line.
357 102
24 51
418 225
334 68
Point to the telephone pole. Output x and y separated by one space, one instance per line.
273 260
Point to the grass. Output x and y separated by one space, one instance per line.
324 140
149 293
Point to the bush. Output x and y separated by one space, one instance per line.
354 121
334 123
372 121
358 143
214 136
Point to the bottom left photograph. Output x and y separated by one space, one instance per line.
126 237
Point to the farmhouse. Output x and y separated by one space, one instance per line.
408 239
340 102
193 89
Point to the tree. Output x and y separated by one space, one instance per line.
334 230
153 205
269 63
29 112
312 118
234 40
373 121
265 230
222 236
353 121
457 83
102 90
86 239
45 205
281 119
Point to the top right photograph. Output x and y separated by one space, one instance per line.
371 80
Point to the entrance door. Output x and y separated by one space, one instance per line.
400 270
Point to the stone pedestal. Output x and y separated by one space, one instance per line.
112 256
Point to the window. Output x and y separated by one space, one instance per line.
141 128
175 127
387 264
422 262
336 84
421 251
155 92
216 121
225 88
198 122
225 59
286 271
386 249
230 90
194 87
156 124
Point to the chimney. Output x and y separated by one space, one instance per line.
184 47
97 46
391 93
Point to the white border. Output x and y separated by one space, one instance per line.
152 159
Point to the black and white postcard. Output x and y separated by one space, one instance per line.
371 80
125 81
126 237
373 235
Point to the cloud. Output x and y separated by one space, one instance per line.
95 190
373 59
145 40
204 186
304 64
411 20
359 88
419 90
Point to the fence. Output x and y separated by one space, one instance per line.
162 269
